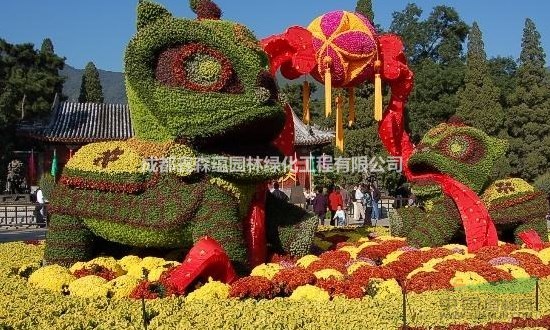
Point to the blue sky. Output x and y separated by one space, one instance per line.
98 30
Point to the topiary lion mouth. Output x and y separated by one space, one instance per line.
251 139
421 168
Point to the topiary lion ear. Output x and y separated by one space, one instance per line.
149 12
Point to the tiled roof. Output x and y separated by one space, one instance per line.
305 135
73 122
88 122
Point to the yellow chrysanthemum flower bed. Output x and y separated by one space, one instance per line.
54 278
122 286
325 274
213 290
94 302
516 271
310 292
146 266
393 256
381 290
108 262
305 261
355 266
88 158
88 287
266 270
462 279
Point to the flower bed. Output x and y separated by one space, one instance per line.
360 285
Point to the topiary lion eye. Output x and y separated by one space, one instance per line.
198 68
464 148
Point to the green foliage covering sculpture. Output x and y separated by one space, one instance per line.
198 89
468 155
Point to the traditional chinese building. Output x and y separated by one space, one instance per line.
73 125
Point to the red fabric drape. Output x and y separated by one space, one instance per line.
206 259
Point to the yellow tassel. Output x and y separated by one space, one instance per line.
305 102
377 93
351 115
339 124
328 86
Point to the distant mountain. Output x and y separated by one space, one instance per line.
114 90
112 83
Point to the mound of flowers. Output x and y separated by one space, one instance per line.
379 266
332 289
360 268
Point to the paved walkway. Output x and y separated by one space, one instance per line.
13 235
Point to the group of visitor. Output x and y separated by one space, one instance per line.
361 203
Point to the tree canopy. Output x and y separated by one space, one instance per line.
90 89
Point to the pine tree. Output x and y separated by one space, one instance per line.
47 47
90 89
528 121
364 7
52 63
479 98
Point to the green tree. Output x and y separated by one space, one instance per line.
434 50
439 37
29 80
503 71
479 104
364 7
528 120
90 89
47 47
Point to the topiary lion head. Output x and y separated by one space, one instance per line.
465 153
201 81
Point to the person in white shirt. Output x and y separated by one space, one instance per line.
340 216
358 210
41 215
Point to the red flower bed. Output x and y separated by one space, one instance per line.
256 287
489 252
287 280
380 251
348 288
151 290
532 265
364 274
331 260
97 271
430 281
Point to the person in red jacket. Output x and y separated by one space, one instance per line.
334 199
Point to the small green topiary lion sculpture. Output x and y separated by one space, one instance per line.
468 155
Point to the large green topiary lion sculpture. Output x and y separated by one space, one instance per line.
198 92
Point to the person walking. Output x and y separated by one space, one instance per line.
375 194
40 209
320 205
358 211
334 199
297 196
278 193
367 204
346 199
